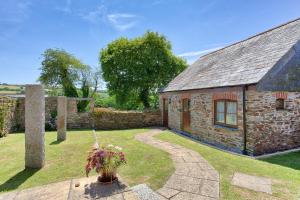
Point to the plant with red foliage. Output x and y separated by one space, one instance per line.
105 161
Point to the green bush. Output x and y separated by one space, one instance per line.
104 100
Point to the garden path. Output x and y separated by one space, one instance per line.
194 178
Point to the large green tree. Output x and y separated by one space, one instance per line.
63 70
137 68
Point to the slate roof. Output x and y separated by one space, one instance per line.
245 62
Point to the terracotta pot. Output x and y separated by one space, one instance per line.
108 177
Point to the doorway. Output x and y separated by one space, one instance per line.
165 112
186 115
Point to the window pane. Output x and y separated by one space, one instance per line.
231 119
220 117
220 106
231 107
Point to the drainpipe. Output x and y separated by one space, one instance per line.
244 121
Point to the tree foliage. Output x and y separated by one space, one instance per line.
61 69
137 68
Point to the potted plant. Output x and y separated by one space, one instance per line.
105 160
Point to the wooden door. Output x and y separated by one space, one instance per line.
165 112
186 115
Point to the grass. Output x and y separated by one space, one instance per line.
284 170
66 160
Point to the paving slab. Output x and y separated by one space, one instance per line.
256 183
90 188
194 177
57 191
190 196
167 192
76 189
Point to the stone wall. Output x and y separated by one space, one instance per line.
110 119
272 130
19 114
86 120
79 121
202 117
18 121
7 107
268 130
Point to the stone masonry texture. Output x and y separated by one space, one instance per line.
35 126
61 118
202 118
268 130
84 120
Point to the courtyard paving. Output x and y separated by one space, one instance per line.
194 178
75 189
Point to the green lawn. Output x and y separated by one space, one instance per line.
66 160
283 170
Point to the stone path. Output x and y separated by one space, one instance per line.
256 183
194 178
88 188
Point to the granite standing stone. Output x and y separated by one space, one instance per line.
61 118
34 126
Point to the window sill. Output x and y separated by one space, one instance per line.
226 127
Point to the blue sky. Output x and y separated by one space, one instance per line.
83 27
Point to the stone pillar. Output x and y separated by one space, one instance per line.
61 118
34 126
92 105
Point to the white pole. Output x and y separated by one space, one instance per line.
96 139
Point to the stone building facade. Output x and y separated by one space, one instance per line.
267 128
244 97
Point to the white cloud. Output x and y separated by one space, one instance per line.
95 16
67 7
192 56
14 11
12 15
198 53
122 21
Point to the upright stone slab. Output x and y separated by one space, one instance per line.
34 126
61 118
92 105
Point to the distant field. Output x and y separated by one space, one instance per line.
9 92
11 89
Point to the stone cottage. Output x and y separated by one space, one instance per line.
244 97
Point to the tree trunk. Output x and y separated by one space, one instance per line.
144 97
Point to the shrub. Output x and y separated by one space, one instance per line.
51 124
